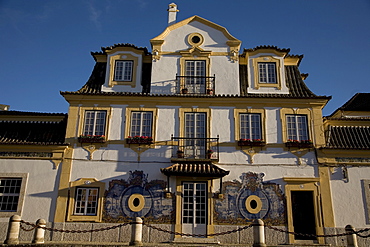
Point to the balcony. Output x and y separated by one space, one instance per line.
195 149
195 85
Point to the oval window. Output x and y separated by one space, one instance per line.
253 204
136 202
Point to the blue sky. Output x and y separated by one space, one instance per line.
45 45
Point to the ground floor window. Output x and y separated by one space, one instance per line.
9 194
86 201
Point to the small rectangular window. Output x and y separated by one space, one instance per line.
86 202
9 194
267 72
250 126
141 123
94 123
123 70
297 127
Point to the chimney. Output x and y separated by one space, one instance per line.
172 11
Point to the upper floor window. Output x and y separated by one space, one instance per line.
94 123
250 126
195 72
141 123
297 127
123 70
86 202
267 72
10 189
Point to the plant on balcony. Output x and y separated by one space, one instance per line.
180 153
91 139
251 142
210 91
209 153
297 143
139 140
184 91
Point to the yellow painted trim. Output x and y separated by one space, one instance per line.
129 111
248 204
158 41
260 51
86 183
260 111
112 65
267 59
81 116
190 39
131 205
292 61
326 200
297 111
304 184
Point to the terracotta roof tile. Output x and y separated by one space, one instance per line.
195 170
33 132
348 137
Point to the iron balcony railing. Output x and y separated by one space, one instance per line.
195 148
195 84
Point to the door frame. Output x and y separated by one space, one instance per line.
304 184
210 207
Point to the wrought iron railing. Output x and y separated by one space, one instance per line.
195 148
195 85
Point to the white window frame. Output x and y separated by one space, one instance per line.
9 194
195 72
141 123
297 127
82 204
250 126
267 72
123 70
95 122
20 194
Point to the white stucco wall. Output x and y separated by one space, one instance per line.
41 188
165 69
349 200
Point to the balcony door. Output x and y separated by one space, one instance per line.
195 72
195 134
194 208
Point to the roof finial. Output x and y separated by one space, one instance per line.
172 11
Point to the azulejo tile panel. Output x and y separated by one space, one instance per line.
138 197
250 199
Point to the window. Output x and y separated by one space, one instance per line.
10 189
123 70
297 127
94 123
141 123
267 72
195 72
250 126
86 201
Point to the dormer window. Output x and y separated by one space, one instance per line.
123 70
267 72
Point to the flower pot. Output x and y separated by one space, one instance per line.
184 91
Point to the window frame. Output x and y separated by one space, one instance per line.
94 131
141 125
237 123
86 201
20 194
267 59
123 72
264 69
250 126
297 129
88 183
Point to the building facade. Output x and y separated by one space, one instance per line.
200 137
